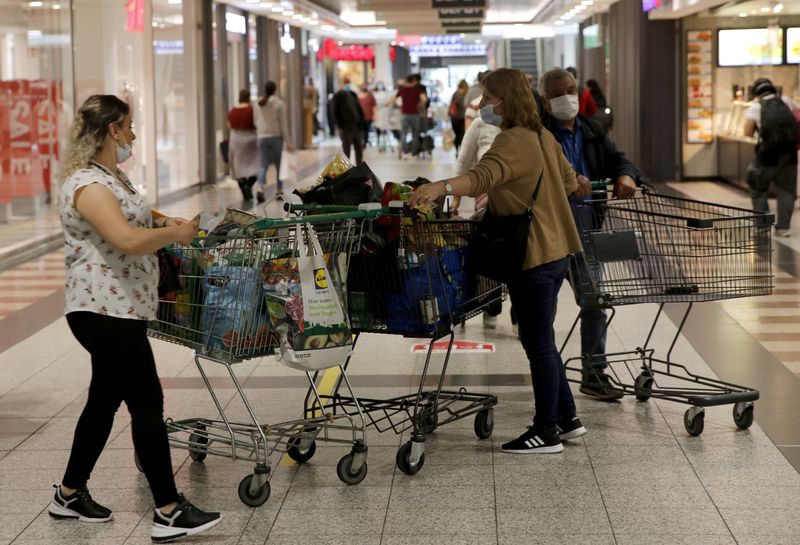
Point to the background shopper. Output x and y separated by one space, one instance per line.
368 104
111 293
349 119
456 113
273 131
243 148
413 101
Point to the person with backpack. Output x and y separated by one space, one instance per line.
775 161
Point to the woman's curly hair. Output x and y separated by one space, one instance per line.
90 128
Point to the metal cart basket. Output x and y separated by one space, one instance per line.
661 249
220 308
412 277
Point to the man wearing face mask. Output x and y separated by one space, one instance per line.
594 156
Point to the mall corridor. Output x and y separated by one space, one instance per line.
636 477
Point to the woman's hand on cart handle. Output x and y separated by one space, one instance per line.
186 230
427 193
624 187
584 187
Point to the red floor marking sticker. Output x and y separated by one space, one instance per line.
462 347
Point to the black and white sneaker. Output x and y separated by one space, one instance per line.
534 442
78 505
185 520
571 429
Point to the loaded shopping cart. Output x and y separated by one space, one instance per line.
241 295
661 249
412 277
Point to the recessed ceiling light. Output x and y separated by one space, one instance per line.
328 28
297 17
765 9
559 22
56 6
277 9
265 4
778 8
743 14
288 12
35 4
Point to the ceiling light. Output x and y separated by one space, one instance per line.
479 41
312 22
765 9
35 4
288 13
778 8
56 6
587 2
743 14
265 4
559 22
328 28
174 2
277 9
252 1
297 17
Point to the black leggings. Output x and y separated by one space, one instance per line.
123 369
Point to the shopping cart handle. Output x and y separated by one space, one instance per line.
601 184
331 208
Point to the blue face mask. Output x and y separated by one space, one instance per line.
347 87
489 117
123 154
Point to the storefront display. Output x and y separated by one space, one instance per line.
793 45
700 92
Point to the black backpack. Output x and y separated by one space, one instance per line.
778 133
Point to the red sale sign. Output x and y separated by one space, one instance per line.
459 347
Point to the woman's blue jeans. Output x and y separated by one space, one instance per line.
534 295
270 149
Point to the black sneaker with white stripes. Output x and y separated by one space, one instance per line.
184 520
78 505
570 429
534 442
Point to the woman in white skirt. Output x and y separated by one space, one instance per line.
243 145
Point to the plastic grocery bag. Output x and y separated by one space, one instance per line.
288 172
305 305
232 310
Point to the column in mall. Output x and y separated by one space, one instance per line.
294 100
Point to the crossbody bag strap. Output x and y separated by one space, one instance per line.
541 174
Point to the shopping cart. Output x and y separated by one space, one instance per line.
413 277
661 249
221 311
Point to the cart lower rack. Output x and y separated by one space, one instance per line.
661 249
412 277
224 302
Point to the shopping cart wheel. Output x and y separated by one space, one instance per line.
484 423
248 498
298 455
344 470
743 414
404 460
198 453
643 386
694 420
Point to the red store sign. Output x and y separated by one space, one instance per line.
330 49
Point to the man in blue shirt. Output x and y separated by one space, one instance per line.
594 156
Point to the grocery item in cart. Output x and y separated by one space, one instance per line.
354 186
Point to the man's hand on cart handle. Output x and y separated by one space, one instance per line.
624 187
584 187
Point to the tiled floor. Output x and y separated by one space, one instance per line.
636 478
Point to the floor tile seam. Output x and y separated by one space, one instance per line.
283 502
494 487
600 491
388 503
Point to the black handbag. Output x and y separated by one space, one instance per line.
499 246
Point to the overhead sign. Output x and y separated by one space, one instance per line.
446 24
459 347
453 50
439 4
461 13
287 42
235 23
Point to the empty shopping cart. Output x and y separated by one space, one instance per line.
661 249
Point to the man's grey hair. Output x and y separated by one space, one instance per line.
554 74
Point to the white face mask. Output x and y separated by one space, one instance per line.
565 107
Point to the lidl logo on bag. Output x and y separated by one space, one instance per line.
320 279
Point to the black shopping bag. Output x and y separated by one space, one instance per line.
355 186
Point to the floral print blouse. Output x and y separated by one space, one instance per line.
99 278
